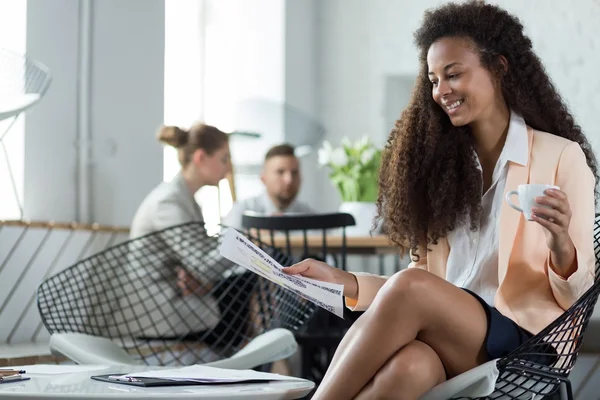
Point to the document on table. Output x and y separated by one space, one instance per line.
237 248
204 374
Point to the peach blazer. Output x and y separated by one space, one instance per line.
530 292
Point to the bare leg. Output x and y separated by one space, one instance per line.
413 304
409 374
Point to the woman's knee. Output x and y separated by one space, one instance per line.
411 372
407 285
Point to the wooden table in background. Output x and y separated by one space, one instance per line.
377 244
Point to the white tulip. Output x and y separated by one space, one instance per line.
367 156
346 142
362 143
324 156
339 157
325 153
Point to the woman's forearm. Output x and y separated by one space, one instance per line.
350 284
563 261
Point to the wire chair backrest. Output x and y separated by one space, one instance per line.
538 366
566 332
132 293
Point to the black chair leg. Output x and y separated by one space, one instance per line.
306 367
306 360
566 390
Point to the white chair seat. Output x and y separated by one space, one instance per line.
481 382
15 104
276 344
478 382
87 349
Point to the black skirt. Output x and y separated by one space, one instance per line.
504 336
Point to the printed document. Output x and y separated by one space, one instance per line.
239 249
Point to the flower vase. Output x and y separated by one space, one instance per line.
363 213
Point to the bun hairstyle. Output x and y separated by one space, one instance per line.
174 136
199 136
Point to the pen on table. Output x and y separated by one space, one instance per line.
8 378
8 372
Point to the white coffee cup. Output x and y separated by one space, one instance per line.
527 195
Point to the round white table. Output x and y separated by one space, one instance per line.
74 382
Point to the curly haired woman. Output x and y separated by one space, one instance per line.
483 119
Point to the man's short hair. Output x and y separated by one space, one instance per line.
280 150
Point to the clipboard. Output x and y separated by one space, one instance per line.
155 382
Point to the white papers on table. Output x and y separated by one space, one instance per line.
237 248
204 374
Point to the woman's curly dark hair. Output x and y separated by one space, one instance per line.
429 182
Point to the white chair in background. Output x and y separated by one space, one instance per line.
23 83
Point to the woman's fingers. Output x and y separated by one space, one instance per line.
555 199
552 203
298 268
559 194
551 215
549 224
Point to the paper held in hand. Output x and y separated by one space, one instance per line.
237 248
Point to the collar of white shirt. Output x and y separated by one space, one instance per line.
516 145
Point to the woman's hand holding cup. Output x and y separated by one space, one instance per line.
548 206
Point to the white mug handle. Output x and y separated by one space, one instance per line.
510 203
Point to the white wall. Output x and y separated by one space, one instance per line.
302 117
362 44
51 130
124 104
127 105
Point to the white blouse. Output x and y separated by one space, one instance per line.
473 258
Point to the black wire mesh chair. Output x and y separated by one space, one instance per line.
133 295
540 368
320 337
